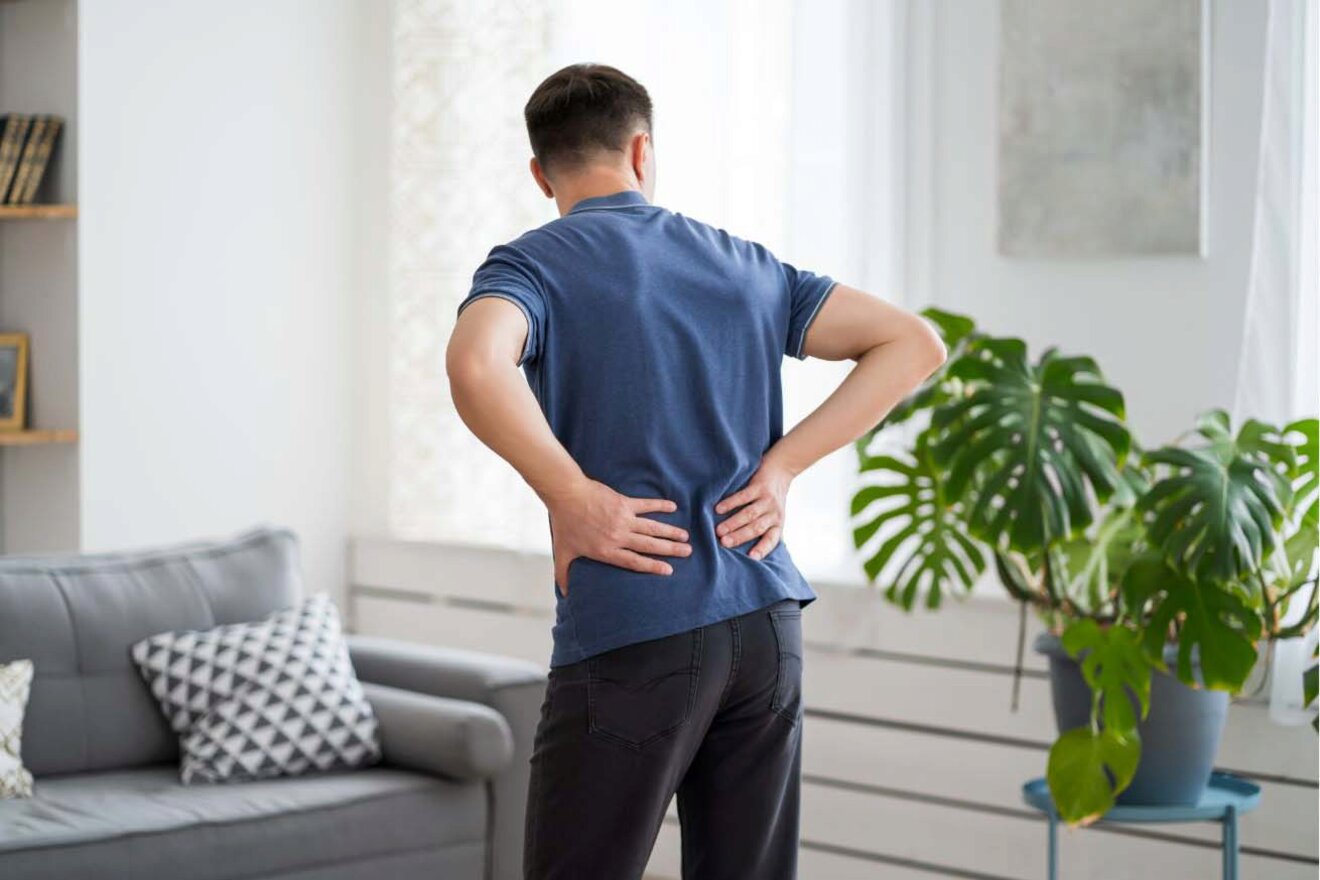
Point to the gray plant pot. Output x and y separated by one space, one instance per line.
1179 738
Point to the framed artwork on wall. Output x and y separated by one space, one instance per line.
1101 116
13 381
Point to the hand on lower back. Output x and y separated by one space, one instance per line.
595 522
760 510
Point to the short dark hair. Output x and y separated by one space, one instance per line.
581 110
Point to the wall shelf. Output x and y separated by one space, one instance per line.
38 212
38 437
40 490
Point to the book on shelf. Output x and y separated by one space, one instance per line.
28 151
12 136
35 132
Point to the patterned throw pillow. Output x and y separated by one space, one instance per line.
254 700
15 684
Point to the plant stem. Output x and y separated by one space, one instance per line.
1021 648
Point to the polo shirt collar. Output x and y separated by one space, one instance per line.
628 198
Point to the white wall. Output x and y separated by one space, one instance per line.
217 260
1165 330
369 486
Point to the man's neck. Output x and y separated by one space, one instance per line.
591 184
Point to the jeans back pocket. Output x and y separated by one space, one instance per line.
642 692
787 624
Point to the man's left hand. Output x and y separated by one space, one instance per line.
760 505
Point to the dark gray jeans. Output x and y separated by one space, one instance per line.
713 715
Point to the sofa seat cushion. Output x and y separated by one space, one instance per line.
143 823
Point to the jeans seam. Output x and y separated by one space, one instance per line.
776 705
733 666
695 672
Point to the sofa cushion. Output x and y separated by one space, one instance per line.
143 823
75 618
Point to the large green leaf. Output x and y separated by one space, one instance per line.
1211 620
1292 581
1013 576
958 333
923 544
1029 448
1298 560
1293 570
1135 481
1216 514
1305 436
1256 438
1095 563
1087 770
1115 667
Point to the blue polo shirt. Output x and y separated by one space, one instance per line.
654 348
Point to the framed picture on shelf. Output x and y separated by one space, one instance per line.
13 380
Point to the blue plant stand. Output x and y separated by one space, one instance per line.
1226 798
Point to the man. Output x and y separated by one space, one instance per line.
652 432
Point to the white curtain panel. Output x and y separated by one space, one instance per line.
1277 375
774 119
458 186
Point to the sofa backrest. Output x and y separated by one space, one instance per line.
76 616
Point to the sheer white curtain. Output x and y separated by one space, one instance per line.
1278 375
773 119
458 186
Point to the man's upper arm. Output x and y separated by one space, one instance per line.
507 276
491 326
851 322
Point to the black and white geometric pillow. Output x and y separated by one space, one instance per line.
15 686
276 697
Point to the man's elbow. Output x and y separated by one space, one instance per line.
931 351
937 352
455 362
465 366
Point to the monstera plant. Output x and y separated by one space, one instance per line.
1180 559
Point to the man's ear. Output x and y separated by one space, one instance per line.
639 149
541 180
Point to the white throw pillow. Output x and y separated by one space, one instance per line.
15 685
255 700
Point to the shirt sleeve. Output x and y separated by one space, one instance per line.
509 274
807 292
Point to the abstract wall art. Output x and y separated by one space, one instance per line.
1100 128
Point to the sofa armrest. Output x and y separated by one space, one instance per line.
514 688
453 738
441 672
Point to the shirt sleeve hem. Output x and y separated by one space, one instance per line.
811 317
527 315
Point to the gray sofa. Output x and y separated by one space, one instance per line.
456 730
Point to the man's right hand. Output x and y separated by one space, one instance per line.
593 521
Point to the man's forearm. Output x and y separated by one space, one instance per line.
496 404
883 376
